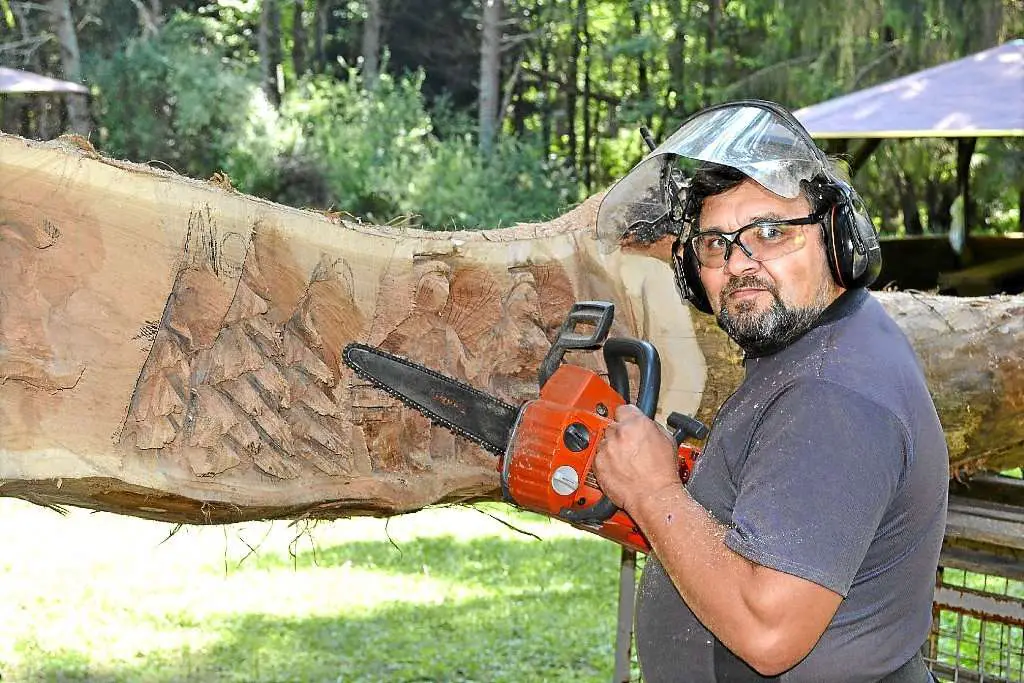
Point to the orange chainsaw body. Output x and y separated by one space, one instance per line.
548 465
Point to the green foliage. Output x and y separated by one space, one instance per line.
378 155
578 77
994 162
171 98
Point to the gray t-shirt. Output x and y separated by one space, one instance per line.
828 463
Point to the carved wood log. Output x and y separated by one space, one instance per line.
169 348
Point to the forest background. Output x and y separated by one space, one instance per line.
480 113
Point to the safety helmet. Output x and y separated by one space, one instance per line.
765 143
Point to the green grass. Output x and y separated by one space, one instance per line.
443 595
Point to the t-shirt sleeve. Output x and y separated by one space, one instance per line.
823 464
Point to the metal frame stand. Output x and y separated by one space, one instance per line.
627 607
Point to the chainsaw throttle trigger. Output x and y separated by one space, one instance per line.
617 351
598 314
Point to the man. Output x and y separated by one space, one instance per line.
805 542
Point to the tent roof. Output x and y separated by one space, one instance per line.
16 81
978 96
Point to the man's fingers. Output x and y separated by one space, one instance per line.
627 411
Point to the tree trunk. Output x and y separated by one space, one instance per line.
269 45
63 25
299 41
711 44
675 98
150 16
490 73
642 84
321 13
372 27
573 84
547 98
588 142
170 348
911 210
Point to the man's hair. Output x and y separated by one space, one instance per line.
710 179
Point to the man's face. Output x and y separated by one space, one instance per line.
765 305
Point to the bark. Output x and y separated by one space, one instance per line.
299 40
321 12
372 27
63 25
490 73
675 98
269 46
169 348
573 83
150 17
710 44
587 151
642 83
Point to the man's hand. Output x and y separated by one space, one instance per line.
636 458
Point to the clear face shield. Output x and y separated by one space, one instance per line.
758 139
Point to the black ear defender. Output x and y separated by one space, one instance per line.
686 270
853 251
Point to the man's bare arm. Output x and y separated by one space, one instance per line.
768 618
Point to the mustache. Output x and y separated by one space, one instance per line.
748 282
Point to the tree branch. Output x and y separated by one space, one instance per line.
547 77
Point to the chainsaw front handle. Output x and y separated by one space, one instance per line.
597 314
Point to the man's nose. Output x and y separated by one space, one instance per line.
738 263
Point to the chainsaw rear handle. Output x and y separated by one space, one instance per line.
599 314
617 351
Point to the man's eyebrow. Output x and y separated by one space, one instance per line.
760 218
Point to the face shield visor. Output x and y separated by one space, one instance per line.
761 140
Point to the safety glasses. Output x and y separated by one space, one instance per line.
762 240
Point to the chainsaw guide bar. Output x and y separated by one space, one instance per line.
471 413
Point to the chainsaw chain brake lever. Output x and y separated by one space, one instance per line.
617 351
684 426
598 314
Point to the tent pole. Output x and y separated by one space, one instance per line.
964 152
862 155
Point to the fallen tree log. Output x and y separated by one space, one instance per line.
169 348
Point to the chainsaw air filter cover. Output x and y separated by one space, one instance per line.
548 466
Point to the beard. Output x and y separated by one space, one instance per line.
763 332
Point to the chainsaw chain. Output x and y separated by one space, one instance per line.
431 415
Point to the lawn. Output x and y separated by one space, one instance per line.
448 594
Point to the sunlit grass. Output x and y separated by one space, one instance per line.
442 595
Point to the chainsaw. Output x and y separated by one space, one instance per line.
545 446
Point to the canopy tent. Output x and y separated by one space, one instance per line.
37 106
981 95
978 96
18 82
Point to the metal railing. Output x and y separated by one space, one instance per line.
978 613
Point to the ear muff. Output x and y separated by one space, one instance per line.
687 275
854 254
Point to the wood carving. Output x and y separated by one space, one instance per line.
170 348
